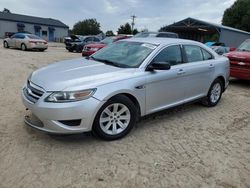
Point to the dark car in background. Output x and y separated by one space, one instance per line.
77 42
156 34
240 61
89 49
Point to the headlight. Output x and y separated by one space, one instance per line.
94 49
70 96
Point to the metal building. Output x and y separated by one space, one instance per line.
199 30
47 28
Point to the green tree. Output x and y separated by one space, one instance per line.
109 33
125 29
87 27
135 31
238 15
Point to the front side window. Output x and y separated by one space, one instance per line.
126 54
171 55
193 53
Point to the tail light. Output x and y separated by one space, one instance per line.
34 42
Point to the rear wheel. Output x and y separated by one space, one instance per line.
115 119
5 44
214 94
23 47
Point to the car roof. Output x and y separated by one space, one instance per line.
161 41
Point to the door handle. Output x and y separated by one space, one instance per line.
180 72
211 66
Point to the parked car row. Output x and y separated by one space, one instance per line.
77 42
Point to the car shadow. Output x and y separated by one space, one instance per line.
239 82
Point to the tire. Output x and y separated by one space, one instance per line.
23 47
70 50
115 119
42 50
214 94
5 44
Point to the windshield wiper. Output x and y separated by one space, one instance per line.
107 62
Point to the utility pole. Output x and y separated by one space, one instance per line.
133 22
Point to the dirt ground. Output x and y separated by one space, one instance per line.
189 146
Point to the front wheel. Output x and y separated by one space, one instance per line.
115 119
23 47
5 44
214 94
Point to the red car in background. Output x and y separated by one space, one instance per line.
240 61
89 49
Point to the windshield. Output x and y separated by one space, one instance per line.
245 46
107 40
124 54
33 37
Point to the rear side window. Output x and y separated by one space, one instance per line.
171 54
206 55
193 53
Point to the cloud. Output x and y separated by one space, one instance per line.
112 13
110 7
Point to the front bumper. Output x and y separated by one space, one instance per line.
49 116
240 73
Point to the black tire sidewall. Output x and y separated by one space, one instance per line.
133 112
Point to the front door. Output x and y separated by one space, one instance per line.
166 88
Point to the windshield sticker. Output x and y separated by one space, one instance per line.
151 46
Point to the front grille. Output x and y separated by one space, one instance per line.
32 93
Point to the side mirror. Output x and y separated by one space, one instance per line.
158 66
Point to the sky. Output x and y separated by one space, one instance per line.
151 15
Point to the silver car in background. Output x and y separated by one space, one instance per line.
25 41
109 91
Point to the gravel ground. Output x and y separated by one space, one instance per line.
188 146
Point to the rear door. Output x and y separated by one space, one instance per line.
199 71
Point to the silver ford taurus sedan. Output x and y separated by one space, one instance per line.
109 91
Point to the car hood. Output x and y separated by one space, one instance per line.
78 73
95 45
239 55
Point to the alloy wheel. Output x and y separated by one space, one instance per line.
115 118
215 93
